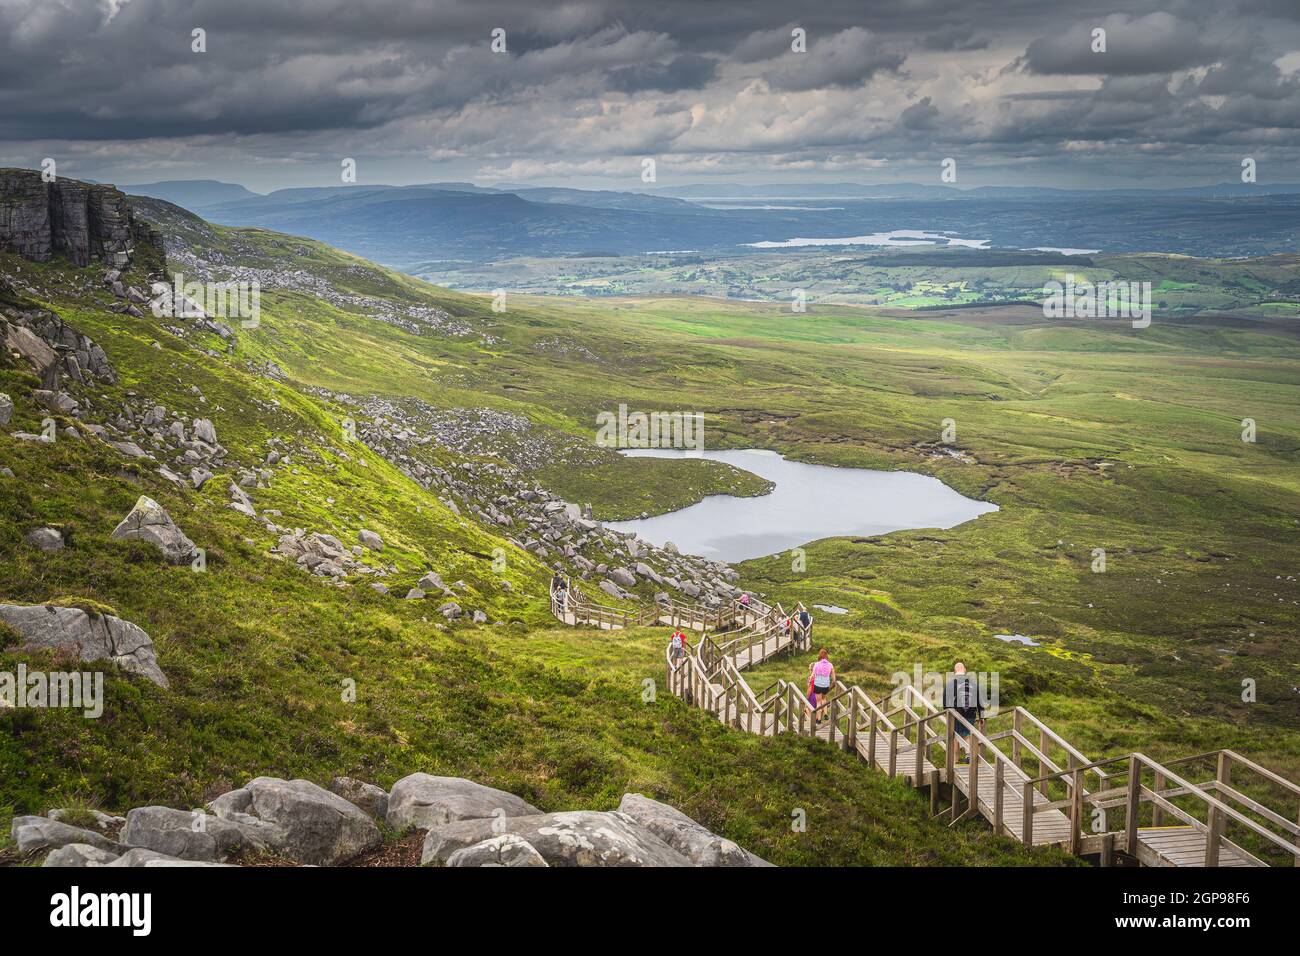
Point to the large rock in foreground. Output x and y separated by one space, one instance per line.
421 801
149 521
32 834
91 637
300 820
188 835
498 851
575 838
697 844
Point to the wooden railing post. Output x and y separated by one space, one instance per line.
871 742
1042 749
1213 836
921 735
997 797
893 751
853 720
950 754
1017 730
1076 810
1157 812
1134 805
1216 821
1027 815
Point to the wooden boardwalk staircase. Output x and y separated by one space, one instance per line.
1012 770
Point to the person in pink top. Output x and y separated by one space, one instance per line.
821 678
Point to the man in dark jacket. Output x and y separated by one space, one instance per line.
961 694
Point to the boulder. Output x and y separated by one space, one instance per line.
141 857
432 581
130 449
612 589
148 521
32 834
307 823
574 838
370 540
420 801
506 850
373 800
81 855
45 539
6 409
188 834
205 431
91 637
623 577
684 835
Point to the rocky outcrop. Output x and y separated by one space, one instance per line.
321 554
81 854
90 637
505 850
300 820
188 835
574 838
684 835
52 347
149 521
373 800
48 540
32 834
420 801
468 825
85 222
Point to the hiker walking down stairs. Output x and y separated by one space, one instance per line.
961 694
677 648
821 678
560 591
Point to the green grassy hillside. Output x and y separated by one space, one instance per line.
1087 435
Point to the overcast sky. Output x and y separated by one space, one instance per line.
1010 89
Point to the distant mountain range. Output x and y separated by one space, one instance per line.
405 225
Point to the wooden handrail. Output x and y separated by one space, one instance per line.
710 676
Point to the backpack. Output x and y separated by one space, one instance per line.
679 639
963 692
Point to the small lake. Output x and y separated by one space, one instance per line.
808 502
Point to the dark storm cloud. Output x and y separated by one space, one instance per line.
586 82
1157 43
686 72
955 38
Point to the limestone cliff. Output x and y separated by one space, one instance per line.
84 222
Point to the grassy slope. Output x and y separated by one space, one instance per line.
1199 529
258 652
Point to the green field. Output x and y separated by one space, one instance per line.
899 278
